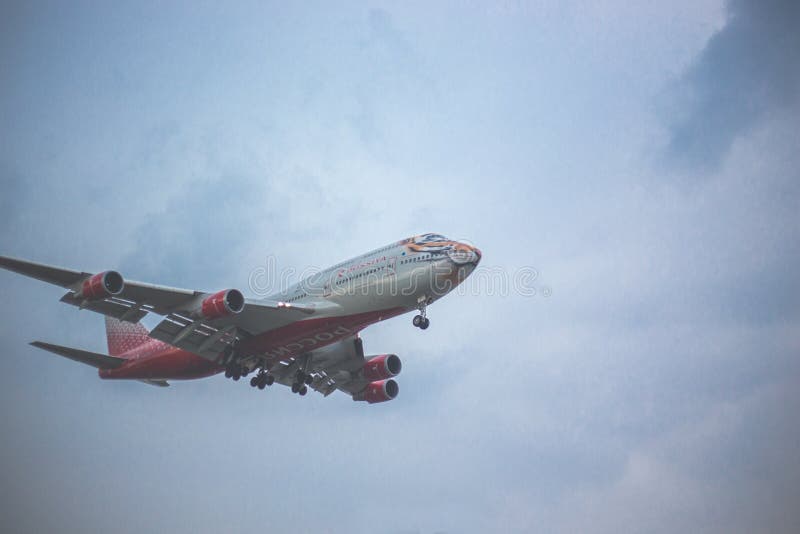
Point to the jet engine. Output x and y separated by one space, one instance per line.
102 285
379 391
222 304
382 367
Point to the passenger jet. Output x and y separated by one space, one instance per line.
304 336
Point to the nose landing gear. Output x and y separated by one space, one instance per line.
421 321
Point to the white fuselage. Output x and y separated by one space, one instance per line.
405 275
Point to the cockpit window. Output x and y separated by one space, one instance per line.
435 237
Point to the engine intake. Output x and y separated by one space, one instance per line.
379 391
102 285
222 304
381 367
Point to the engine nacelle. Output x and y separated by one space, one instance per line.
382 367
222 304
379 391
102 285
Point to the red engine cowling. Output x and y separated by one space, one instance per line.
222 304
102 285
379 391
381 367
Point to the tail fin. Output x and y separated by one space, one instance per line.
124 336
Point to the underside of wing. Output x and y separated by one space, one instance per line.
40 271
342 366
333 367
211 337
206 324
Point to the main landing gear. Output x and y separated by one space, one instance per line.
235 371
262 380
233 366
300 381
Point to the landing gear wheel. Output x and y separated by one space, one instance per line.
425 323
417 321
228 373
295 387
254 381
269 380
236 377
309 379
261 385
303 390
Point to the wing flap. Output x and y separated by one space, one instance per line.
112 307
195 336
99 361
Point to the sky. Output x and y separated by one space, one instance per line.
641 158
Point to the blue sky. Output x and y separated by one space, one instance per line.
643 159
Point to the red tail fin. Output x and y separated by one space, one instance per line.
123 336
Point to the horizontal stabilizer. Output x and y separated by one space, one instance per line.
100 361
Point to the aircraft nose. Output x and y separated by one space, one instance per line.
466 253
474 253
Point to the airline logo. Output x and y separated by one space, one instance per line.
363 265
309 342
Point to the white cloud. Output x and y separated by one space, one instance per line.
664 356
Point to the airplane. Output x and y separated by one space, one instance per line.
304 336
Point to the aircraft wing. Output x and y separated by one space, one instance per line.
200 322
131 304
336 366
209 337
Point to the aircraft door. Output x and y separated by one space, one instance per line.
326 289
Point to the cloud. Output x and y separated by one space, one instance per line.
747 71
650 387
731 469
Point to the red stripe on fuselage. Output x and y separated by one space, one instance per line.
157 360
